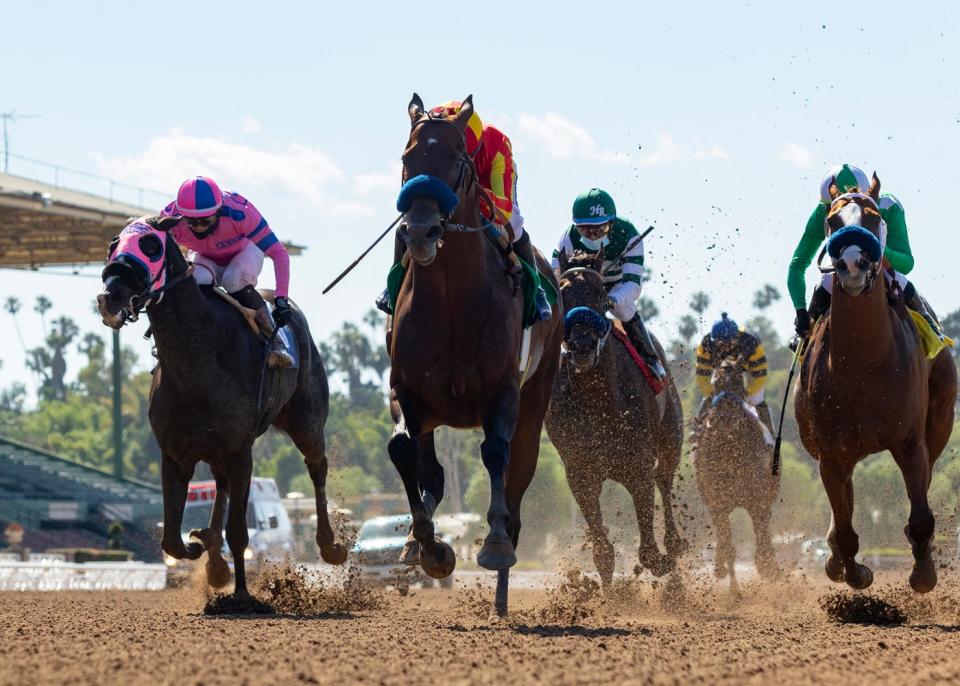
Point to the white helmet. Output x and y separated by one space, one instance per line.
847 178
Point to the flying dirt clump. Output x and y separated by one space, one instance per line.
299 591
576 599
861 608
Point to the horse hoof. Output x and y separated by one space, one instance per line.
218 572
720 570
334 553
676 546
497 554
834 569
193 550
861 578
440 562
768 569
923 577
209 538
410 555
658 564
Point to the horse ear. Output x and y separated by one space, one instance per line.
163 223
598 260
466 111
834 190
563 260
415 108
874 191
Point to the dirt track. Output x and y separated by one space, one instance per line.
572 635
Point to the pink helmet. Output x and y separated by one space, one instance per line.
199 197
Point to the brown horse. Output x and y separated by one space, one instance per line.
865 386
606 422
733 471
204 398
454 346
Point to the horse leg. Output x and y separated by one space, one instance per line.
312 446
239 469
844 543
175 482
725 554
642 490
915 466
218 573
665 471
498 428
405 457
586 491
765 558
438 560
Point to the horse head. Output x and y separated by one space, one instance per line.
437 174
136 274
856 236
728 378
585 328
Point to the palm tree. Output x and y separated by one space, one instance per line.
41 307
765 297
12 305
699 303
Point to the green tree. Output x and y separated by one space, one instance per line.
647 308
48 362
765 297
699 302
12 306
41 307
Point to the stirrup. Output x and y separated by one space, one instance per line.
382 303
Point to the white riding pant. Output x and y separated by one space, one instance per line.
757 397
242 270
827 281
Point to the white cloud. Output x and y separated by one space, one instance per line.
665 152
383 182
796 154
562 138
299 170
251 125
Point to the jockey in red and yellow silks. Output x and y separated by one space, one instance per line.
496 171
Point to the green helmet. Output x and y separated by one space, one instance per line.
594 206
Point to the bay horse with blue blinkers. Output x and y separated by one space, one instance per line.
455 343
865 385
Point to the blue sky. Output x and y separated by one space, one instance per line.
713 121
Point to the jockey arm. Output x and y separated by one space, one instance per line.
755 367
627 291
804 255
897 250
265 239
705 366
502 184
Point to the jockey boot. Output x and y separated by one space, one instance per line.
640 338
524 250
919 304
763 411
382 302
277 357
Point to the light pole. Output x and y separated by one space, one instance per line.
9 117
117 414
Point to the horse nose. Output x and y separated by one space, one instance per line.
427 231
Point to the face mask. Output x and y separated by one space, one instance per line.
594 244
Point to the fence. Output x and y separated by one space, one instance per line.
86 182
55 575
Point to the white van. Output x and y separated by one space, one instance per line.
269 528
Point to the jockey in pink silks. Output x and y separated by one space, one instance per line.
227 239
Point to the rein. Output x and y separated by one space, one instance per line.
150 297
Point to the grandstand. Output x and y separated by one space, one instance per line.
62 503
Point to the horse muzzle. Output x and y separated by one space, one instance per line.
422 240
854 273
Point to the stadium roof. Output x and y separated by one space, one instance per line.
42 224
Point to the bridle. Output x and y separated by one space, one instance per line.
601 338
875 267
150 296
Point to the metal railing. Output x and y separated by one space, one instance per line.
87 182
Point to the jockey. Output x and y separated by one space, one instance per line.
850 179
492 156
596 226
227 239
727 341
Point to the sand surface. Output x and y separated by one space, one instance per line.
686 632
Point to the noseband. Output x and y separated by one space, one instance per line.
150 296
581 314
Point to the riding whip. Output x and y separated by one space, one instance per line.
775 468
362 255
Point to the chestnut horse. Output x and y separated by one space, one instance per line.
733 471
454 345
866 386
204 397
606 422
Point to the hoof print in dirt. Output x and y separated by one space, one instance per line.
861 608
224 604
